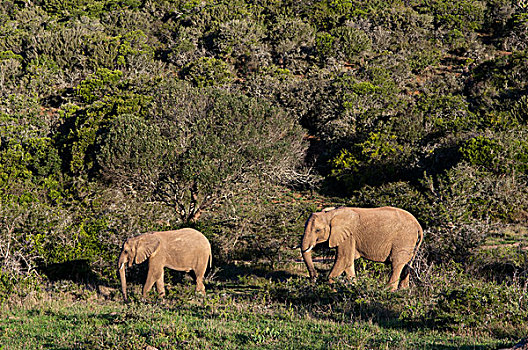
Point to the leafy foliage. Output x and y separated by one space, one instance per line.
216 145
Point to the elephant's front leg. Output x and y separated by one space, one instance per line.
155 273
344 262
351 271
160 285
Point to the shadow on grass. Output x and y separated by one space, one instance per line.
78 271
232 273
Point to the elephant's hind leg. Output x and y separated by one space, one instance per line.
397 268
406 273
400 257
200 273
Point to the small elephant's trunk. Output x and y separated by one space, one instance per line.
307 257
306 250
122 276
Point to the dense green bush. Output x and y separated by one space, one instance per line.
487 306
342 43
445 113
498 88
207 72
102 97
240 42
482 151
292 41
456 21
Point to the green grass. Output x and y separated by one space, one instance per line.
514 235
248 316
59 324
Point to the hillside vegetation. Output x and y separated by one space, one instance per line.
240 118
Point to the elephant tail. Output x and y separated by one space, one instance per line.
420 240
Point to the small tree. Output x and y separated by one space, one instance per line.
199 146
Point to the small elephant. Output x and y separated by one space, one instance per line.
181 250
379 234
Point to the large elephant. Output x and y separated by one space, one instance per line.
181 250
379 234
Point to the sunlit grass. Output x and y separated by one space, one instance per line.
248 316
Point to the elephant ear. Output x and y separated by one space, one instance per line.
343 224
146 246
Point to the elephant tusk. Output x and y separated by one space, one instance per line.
307 250
122 265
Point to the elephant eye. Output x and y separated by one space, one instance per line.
318 230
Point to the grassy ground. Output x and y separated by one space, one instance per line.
267 312
249 307
212 322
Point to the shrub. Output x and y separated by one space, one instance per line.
213 143
482 151
464 16
376 159
324 44
498 87
43 77
327 15
516 37
10 69
464 203
500 262
506 153
106 95
353 105
350 43
132 146
63 45
342 43
98 85
241 42
207 16
344 161
293 41
207 71
487 307
444 114
134 51
30 161
185 48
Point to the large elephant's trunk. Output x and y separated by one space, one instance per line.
307 257
306 250
122 276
